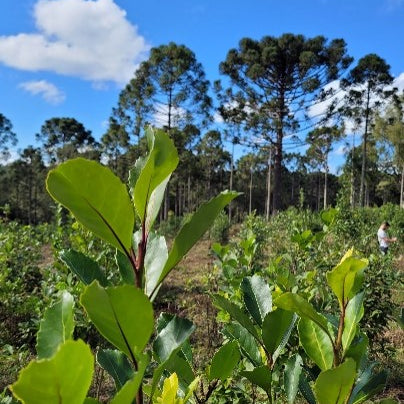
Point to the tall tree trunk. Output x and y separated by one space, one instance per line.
268 200
402 189
276 196
250 193
231 177
352 196
325 182
364 151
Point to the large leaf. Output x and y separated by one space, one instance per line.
122 314
260 376
285 338
125 268
347 277
247 342
177 364
96 197
85 268
161 162
127 393
334 386
276 325
358 350
63 379
293 370
156 257
116 364
316 343
368 384
257 297
293 302
224 361
305 389
237 314
195 228
353 314
171 337
154 203
56 326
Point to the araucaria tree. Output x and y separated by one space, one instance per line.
7 136
275 79
366 89
169 89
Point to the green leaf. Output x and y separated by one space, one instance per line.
170 389
353 314
125 268
257 297
172 337
85 268
195 228
177 364
154 203
305 389
293 370
224 361
65 378
161 162
276 325
237 314
285 338
368 385
247 342
358 350
347 277
156 257
316 343
122 314
56 326
128 392
260 376
293 302
116 364
90 400
333 386
96 197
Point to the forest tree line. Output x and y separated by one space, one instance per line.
262 104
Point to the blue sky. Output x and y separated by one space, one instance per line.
72 57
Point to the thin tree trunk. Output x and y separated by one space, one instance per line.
250 186
231 177
268 200
402 189
325 182
352 198
364 152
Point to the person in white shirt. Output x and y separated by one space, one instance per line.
383 237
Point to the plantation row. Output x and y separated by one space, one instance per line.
302 302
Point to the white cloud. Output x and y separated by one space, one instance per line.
399 82
90 39
48 91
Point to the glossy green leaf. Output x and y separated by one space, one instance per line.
316 343
122 314
285 338
63 379
195 228
358 350
347 277
293 370
293 302
96 197
154 203
125 268
156 257
353 314
56 327
85 268
161 162
128 392
257 297
237 314
224 361
247 342
116 364
260 376
172 337
177 364
305 389
368 386
333 386
276 325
